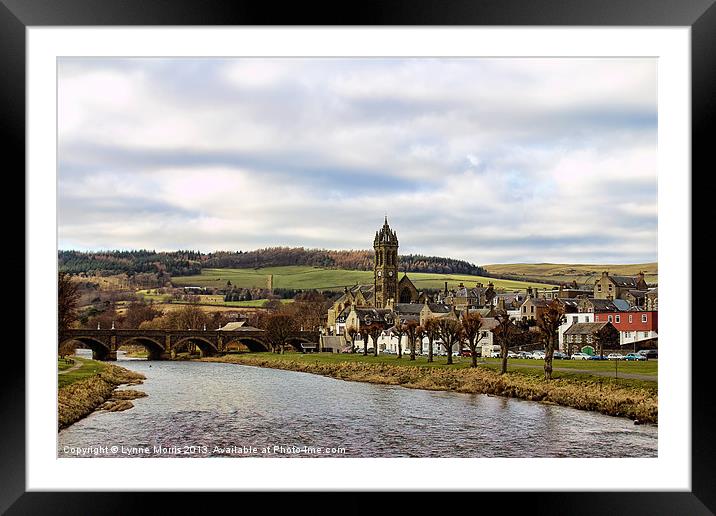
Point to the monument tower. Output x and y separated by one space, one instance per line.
385 268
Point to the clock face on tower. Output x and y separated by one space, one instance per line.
380 273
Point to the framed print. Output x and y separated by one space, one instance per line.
419 252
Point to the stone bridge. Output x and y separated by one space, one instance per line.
164 344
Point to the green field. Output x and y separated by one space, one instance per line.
89 368
204 300
565 272
301 277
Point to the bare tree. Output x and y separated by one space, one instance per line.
411 331
68 296
548 323
503 331
471 327
351 333
399 331
432 332
450 332
374 330
364 336
279 328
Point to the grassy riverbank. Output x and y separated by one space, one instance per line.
626 398
92 386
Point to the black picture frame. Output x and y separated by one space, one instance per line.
700 15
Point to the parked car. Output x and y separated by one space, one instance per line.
538 355
512 354
580 356
495 354
634 356
649 353
465 353
615 356
558 355
597 357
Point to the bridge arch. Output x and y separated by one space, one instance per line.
100 350
253 343
153 346
207 347
296 342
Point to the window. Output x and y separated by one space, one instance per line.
609 318
599 287
643 317
630 318
610 287
618 318
532 309
575 319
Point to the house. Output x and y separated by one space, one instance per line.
570 319
361 317
358 295
586 304
509 300
634 325
583 334
532 308
433 310
615 287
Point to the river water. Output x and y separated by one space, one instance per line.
201 409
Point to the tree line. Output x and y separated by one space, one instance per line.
186 263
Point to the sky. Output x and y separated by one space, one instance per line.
489 160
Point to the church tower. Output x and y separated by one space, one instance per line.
385 268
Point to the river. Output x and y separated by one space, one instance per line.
203 409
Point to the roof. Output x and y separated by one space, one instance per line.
639 294
489 323
537 301
231 326
439 308
602 305
409 308
368 315
624 281
621 304
583 328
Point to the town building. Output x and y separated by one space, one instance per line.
635 326
584 334
615 287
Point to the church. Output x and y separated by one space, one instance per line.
389 299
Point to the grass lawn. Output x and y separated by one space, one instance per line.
89 368
648 367
62 365
302 277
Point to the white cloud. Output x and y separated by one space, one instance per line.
484 159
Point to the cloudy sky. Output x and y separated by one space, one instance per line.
489 160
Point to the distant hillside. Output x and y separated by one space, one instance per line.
566 273
187 263
300 277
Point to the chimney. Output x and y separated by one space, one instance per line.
446 288
529 291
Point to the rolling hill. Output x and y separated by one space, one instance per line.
565 273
